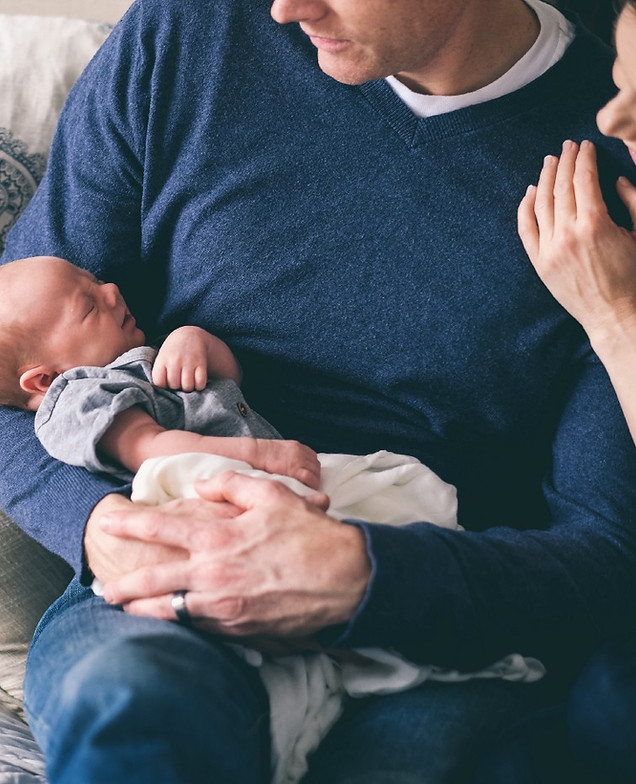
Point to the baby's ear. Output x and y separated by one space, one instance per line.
35 382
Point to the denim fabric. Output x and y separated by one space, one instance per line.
434 734
534 750
601 714
115 698
112 697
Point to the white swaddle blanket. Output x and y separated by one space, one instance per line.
307 691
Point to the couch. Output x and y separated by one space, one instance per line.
44 45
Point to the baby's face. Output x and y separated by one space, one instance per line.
79 320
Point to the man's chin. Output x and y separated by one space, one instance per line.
345 72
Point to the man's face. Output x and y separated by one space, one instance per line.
361 40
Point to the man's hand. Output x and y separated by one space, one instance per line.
280 568
111 556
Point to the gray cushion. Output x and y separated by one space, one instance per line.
30 579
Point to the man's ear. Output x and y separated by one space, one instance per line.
36 380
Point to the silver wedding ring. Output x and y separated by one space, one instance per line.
180 608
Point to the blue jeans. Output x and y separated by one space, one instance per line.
113 697
601 714
588 739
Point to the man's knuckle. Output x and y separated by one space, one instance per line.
210 576
151 526
230 609
148 584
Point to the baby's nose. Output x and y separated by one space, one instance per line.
111 294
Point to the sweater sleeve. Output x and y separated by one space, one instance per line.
466 598
87 212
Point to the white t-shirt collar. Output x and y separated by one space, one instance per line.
555 35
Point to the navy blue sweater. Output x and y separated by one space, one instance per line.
364 265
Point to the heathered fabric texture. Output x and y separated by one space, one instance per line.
364 266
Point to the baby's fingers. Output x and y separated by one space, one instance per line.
159 374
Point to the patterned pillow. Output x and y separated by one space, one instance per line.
41 59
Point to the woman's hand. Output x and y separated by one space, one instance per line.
280 568
586 260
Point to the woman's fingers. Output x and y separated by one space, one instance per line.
587 188
527 223
565 203
544 197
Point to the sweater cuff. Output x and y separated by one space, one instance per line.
391 612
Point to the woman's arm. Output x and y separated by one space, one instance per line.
586 260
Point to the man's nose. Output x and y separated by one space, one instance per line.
284 11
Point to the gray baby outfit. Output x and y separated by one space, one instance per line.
82 403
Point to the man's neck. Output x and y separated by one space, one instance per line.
487 41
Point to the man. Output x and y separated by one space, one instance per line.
349 229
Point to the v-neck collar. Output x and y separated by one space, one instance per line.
415 131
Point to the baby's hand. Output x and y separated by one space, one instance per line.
182 361
289 458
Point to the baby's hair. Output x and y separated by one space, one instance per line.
16 345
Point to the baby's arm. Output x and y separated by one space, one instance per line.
135 436
189 356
